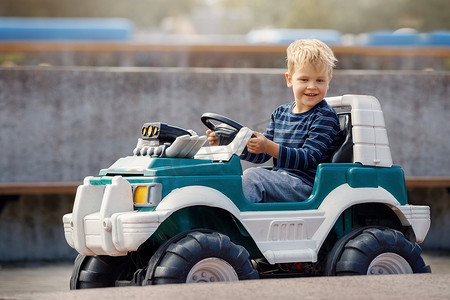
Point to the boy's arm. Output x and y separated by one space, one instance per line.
321 137
253 156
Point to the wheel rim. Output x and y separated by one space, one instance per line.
211 270
389 263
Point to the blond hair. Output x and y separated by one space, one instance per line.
310 51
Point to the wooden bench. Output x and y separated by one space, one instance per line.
112 47
428 181
27 188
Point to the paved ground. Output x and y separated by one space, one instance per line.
50 281
36 278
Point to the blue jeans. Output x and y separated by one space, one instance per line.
263 185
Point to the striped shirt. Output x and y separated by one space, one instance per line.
305 139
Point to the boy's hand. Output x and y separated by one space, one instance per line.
212 138
257 144
261 144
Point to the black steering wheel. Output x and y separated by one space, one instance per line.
224 128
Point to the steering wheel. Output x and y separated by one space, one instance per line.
225 130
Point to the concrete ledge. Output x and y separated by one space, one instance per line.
31 213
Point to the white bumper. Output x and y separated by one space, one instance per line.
103 221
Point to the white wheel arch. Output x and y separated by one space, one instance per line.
195 196
343 197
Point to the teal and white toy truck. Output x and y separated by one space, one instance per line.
174 212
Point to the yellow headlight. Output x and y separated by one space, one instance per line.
140 195
149 131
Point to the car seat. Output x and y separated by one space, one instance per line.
344 153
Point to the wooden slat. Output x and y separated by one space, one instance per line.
207 48
23 188
428 181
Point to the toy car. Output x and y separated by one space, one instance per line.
174 211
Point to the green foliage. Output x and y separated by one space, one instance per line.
142 12
347 16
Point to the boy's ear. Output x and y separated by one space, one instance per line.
288 80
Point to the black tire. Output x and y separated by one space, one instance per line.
377 251
98 271
200 257
336 252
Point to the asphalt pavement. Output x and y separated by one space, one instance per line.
51 281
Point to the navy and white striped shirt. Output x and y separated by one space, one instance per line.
305 139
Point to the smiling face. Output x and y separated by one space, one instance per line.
309 84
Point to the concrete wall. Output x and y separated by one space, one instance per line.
62 124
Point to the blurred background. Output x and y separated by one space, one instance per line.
244 33
239 17
79 78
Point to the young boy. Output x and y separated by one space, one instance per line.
301 134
